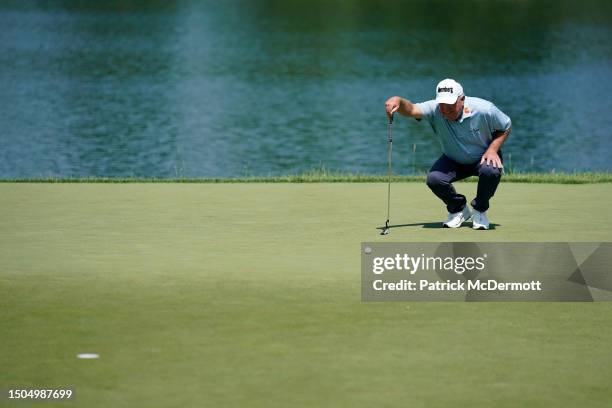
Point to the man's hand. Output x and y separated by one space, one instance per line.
402 106
490 157
392 105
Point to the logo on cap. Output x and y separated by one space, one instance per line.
445 89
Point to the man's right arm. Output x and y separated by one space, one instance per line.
403 106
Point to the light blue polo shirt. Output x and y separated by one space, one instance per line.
466 139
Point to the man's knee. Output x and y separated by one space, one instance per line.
436 179
489 172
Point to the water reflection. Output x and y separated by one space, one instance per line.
203 88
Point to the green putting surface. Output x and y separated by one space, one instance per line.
228 295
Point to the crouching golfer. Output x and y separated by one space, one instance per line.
471 132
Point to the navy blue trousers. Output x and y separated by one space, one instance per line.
445 171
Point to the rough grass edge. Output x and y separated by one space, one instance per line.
326 177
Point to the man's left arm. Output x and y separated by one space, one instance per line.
501 126
490 156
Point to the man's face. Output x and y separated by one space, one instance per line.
452 111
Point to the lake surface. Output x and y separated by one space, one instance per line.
268 87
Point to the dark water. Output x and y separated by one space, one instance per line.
267 87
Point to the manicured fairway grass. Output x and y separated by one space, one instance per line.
223 295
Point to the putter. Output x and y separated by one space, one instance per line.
385 230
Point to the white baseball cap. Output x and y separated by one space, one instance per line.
448 90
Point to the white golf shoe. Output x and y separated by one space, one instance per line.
480 220
456 219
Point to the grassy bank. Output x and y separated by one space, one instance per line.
323 176
234 295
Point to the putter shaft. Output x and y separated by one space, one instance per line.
389 171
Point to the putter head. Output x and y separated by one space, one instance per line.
385 230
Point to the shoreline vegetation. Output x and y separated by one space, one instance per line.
325 176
